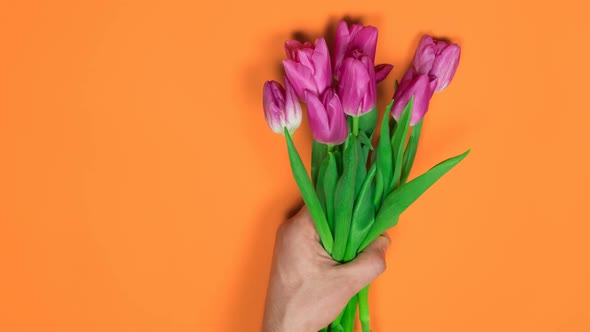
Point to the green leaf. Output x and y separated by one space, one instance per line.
384 158
368 121
361 172
338 157
401 198
365 140
318 153
362 217
344 197
398 141
410 153
329 186
365 143
309 196
379 183
320 185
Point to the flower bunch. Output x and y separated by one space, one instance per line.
357 191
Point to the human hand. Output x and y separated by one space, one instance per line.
307 288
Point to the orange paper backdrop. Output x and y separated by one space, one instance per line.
140 187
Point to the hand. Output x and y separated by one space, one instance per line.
307 289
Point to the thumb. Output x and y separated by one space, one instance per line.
368 265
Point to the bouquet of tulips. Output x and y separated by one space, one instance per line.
357 191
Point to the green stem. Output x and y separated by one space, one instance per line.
355 125
336 326
349 315
363 297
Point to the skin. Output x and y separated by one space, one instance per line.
307 289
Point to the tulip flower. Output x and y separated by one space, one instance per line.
421 87
357 37
357 86
434 66
281 107
326 117
308 66
438 59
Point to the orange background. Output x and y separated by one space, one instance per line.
140 187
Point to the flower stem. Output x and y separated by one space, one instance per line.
355 125
363 297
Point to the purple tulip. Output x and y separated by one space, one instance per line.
308 67
357 86
437 58
281 107
357 37
419 86
326 118
435 64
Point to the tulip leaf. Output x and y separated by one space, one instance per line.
384 158
309 195
365 140
398 141
410 153
344 197
362 216
401 198
338 157
329 186
368 121
320 185
366 146
318 153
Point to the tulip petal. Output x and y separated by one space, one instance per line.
421 89
370 96
445 66
341 41
425 55
291 47
381 72
353 85
364 39
337 119
318 118
300 77
322 65
273 102
293 113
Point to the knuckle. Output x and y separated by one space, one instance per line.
379 264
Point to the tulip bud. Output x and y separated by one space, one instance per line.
281 107
357 86
308 67
326 118
438 59
421 87
435 64
357 37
